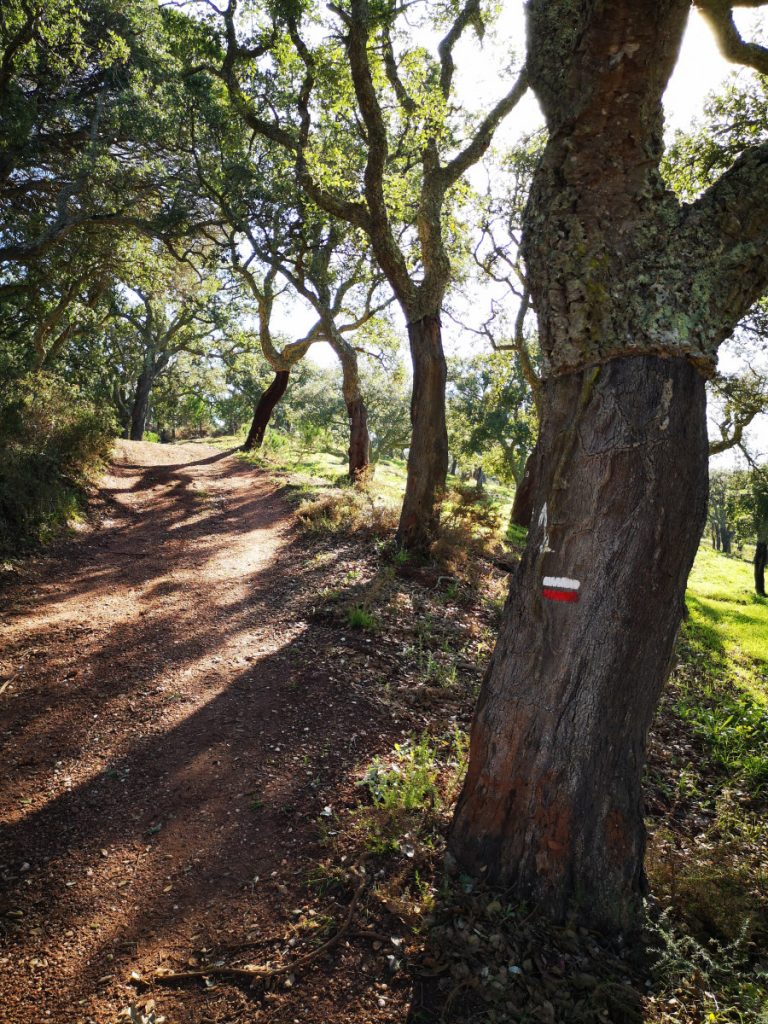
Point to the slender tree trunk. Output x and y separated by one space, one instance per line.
552 802
761 559
428 458
264 409
141 405
725 535
359 438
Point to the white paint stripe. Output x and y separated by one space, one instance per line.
561 582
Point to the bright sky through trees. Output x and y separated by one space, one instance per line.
700 70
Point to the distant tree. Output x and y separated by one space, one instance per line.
322 265
492 414
510 323
167 312
759 510
276 241
742 397
368 118
723 508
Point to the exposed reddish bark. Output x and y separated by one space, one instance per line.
264 409
552 802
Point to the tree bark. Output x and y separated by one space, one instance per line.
725 539
552 802
140 407
761 559
428 458
264 409
359 439
359 451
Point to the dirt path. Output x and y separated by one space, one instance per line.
170 734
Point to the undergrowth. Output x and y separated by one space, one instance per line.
410 792
51 442
477 954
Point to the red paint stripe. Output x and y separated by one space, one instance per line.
569 596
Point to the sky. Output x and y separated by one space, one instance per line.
700 70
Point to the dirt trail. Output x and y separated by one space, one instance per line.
167 735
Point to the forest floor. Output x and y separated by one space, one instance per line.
230 740
173 728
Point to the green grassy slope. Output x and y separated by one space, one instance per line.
729 619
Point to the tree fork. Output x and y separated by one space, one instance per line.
552 803
264 409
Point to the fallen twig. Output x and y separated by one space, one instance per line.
9 680
270 972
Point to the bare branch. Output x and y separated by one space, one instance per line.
719 16
468 14
484 134
393 74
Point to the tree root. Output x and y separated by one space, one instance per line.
264 973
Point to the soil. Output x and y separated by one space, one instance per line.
174 723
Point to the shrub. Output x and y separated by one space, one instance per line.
347 511
470 527
51 441
411 792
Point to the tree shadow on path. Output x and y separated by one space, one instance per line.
175 733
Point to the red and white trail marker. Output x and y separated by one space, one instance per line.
560 588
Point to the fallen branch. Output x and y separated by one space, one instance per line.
271 972
8 681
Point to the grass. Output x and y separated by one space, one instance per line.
317 471
707 853
729 619
360 618
410 793
700 958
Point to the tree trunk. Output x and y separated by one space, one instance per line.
552 802
761 559
141 405
264 410
428 457
359 439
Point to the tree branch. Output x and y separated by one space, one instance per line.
468 14
718 14
484 134
387 252
725 233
